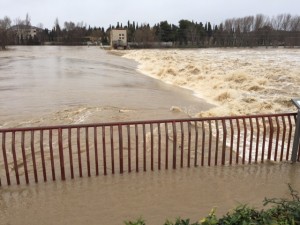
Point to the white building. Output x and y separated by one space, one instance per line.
118 38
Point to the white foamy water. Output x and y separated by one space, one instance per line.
237 81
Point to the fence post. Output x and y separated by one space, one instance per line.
297 132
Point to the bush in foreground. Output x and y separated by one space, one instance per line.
281 212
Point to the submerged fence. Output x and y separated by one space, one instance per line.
66 152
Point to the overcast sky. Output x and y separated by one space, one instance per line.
105 12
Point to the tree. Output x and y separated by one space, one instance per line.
5 24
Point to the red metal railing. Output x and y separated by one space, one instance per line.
67 152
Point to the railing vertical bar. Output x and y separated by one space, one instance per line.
136 148
33 157
51 155
196 144
144 148
224 141
257 139
96 150
182 144
112 149
167 145
13 147
189 145
210 143
270 138
174 144
251 141
79 152
104 150
152 147
43 155
231 142
70 152
129 148
283 138
203 144
24 157
159 145
277 139
238 141
289 138
264 140
245 141
87 146
5 158
217 142
61 154
120 148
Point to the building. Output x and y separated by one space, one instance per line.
24 33
118 38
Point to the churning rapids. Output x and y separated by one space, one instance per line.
70 85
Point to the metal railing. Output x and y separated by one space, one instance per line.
66 152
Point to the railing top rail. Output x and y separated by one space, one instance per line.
142 122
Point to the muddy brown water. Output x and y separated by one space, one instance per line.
64 85
155 196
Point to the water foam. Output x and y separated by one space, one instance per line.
237 81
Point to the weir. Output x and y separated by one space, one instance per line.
41 154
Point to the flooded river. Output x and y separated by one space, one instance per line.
71 85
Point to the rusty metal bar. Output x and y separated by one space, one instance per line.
51 155
277 139
167 146
144 148
33 157
238 141
159 146
231 142
189 145
182 144
61 155
203 144
136 148
112 150
42 155
283 138
174 144
251 141
264 140
79 152
289 138
13 148
120 148
87 146
257 139
217 142
270 138
24 157
210 143
5 159
152 147
96 150
129 148
104 151
70 152
245 141
196 144
224 142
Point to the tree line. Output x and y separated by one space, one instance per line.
249 31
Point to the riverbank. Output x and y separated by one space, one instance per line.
237 81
